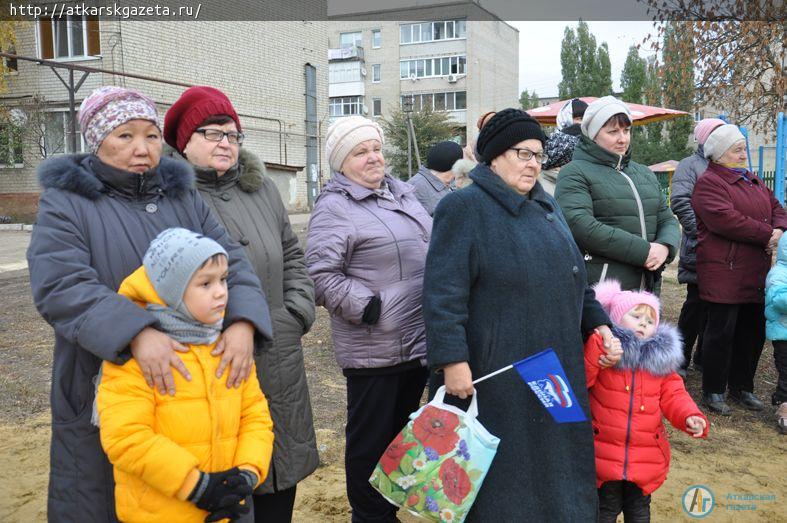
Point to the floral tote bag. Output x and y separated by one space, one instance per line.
435 467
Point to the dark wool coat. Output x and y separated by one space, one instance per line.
505 280
608 201
683 181
249 206
627 403
92 230
735 220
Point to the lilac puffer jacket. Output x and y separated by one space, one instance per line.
361 244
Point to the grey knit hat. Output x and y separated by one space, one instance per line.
172 259
599 111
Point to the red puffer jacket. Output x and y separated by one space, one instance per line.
627 402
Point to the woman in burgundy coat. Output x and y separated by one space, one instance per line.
739 223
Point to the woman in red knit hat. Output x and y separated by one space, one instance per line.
203 127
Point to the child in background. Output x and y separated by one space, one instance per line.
197 455
776 328
628 399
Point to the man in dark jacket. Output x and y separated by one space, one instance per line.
693 314
434 180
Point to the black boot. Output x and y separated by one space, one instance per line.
747 399
716 403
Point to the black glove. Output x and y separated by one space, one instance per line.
371 313
221 489
237 510
232 513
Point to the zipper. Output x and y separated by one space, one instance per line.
628 426
141 184
604 272
393 237
641 211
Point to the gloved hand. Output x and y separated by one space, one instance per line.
237 510
371 313
218 490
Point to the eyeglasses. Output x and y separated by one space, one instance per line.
527 154
217 135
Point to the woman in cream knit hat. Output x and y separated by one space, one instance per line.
367 244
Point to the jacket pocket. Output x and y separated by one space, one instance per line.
663 444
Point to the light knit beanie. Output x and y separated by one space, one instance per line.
618 302
109 107
721 139
599 111
704 127
345 134
172 259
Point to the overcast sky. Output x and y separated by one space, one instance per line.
539 50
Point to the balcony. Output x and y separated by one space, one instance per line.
354 52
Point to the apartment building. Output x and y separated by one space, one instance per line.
275 73
464 67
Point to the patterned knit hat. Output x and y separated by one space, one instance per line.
345 133
194 106
172 259
618 302
110 107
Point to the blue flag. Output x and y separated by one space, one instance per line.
545 376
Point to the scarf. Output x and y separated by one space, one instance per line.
182 327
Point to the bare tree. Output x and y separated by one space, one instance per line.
739 54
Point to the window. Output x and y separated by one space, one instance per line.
345 105
432 31
350 39
377 107
56 134
452 101
11 145
340 72
430 67
376 73
376 38
72 37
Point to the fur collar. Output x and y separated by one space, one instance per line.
73 173
660 355
248 174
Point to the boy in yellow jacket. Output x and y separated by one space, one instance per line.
197 455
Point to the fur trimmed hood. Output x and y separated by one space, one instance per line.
74 173
660 355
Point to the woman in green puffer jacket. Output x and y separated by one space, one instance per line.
614 206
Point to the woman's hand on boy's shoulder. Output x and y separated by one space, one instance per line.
154 352
236 345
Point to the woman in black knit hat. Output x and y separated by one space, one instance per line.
505 280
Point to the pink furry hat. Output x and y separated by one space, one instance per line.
618 302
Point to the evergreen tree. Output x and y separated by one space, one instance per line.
585 67
569 59
430 127
678 80
603 83
528 100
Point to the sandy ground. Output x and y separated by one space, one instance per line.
744 454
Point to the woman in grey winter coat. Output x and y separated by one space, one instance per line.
204 127
366 249
96 218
